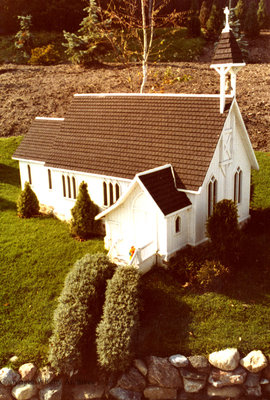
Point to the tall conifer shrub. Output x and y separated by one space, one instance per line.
72 344
117 330
83 222
27 204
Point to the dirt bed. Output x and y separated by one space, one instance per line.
30 91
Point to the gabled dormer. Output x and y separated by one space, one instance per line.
227 61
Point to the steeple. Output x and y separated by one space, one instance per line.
227 61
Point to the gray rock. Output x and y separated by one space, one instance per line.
227 359
122 394
161 373
9 377
193 386
252 380
232 392
141 366
24 391
51 392
158 393
179 361
45 375
27 372
219 378
200 363
193 374
255 361
132 380
89 391
4 393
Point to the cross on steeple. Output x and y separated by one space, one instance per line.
227 24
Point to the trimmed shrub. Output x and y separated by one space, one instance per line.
118 328
27 204
83 222
46 55
77 314
223 230
212 275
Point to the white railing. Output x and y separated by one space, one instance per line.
143 253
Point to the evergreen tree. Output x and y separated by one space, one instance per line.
85 46
27 204
83 222
262 15
215 20
251 26
239 36
204 13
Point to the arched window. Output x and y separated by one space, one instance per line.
50 178
238 185
111 193
177 224
105 196
212 195
117 191
29 174
69 188
74 187
64 186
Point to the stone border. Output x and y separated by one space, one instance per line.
224 374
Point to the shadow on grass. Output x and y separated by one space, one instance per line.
7 205
9 175
164 317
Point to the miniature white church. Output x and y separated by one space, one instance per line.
155 164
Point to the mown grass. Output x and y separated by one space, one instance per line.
35 256
179 319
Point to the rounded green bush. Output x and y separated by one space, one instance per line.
27 204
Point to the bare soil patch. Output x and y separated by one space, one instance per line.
30 91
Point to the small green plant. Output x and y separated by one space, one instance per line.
79 309
118 328
212 275
223 231
27 204
23 38
46 55
83 222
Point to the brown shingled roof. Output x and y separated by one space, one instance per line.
37 143
227 51
123 135
161 186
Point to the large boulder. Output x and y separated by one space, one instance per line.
179 361
27 372
24 391
255 361
87 392
9 377
219 378
132 380
51 392
158 393
122 394
227 359
227 392
162 373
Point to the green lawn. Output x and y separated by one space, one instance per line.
35 256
